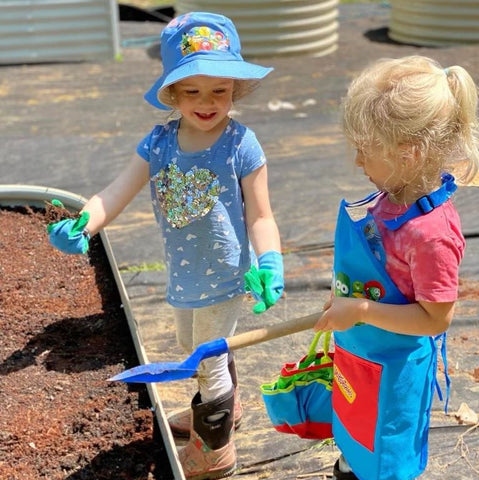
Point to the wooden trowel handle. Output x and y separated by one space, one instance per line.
273 331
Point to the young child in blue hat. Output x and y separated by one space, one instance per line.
396 270
208 179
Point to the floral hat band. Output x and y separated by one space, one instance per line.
203 38
200 43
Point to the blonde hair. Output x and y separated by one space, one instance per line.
241 88
413 101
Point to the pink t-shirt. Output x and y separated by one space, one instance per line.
423 256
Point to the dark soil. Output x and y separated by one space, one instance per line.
63 333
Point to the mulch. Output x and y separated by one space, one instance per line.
63 333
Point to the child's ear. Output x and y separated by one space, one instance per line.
415 152
409 154
172 95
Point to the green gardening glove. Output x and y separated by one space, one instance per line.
69 235
266 283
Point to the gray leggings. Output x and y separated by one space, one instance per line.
198 325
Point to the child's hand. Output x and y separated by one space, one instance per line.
68 235
266 284
340 313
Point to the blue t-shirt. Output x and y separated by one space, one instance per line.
198 203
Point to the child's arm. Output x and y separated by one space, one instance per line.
262 229
266 283
421 318
106 205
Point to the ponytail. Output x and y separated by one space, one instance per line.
465 92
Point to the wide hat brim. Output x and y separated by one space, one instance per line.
235 69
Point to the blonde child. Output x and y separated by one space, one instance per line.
208 180
411 122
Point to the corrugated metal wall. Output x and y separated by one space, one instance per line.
436 23
58 30
277 27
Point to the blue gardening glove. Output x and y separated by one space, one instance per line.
68 235
266 283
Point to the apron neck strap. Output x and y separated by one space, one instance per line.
364 201
425 204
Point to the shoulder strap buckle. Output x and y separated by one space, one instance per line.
425 204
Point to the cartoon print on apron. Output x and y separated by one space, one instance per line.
383 382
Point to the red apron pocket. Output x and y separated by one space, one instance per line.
356 395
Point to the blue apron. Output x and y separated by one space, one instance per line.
383 382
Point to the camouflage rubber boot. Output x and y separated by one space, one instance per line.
180 421
210 452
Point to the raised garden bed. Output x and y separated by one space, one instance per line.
63 333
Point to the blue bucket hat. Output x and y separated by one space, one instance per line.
200 43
